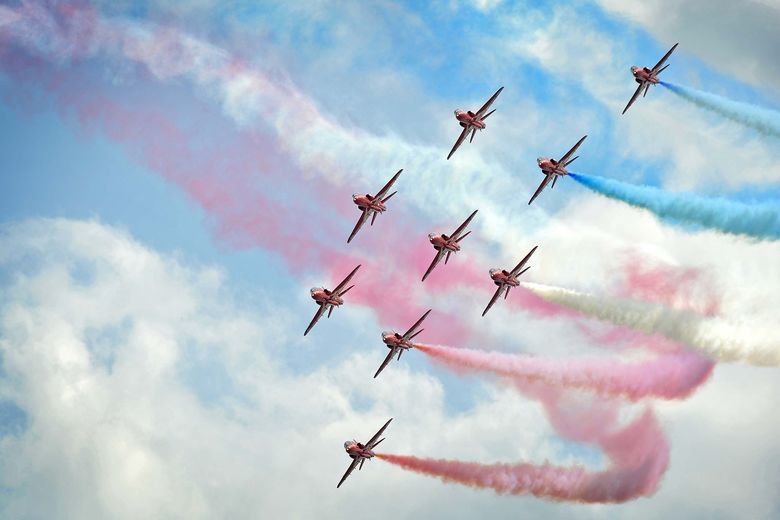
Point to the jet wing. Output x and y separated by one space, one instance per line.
460 229
351 467
439 255
411 330
519 266
493 299
316 318
633 98
385 362
541 187
386 187
658 65
462 136
345 281
485 107
360 222
373 440
568 154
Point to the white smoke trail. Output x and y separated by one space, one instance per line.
717 338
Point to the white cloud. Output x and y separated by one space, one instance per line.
97 335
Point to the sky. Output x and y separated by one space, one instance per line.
177 175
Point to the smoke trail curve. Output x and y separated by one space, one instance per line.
764 120
713 336
760 221
668 376
638 455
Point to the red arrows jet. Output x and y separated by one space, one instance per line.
471 122
398 343
446 245
359 452
553 169
646 77
371 206
328 299
507 279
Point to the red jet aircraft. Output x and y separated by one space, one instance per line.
328 299
553 169
371 206
398 343
646 77
446 245
471 122
359 452
507 279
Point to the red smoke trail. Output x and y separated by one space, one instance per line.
669 376
638 457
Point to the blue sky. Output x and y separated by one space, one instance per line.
390 74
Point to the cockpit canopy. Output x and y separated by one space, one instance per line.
387 333
355 196
540 160
315 289
634 68
494 271
431 235
347 444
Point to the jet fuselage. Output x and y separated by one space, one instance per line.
468 119
501 277
368 202
357 450
548 165
443 242
394 340
642 74
324 296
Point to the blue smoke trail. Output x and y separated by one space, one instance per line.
756 220
764 120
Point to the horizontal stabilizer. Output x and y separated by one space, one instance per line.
415 334
464 236
388 197
342 293
571 161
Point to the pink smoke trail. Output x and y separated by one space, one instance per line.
667 376
638 456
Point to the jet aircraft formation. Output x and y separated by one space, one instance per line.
445 245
